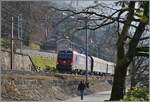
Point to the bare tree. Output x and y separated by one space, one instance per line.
139 72
124 56
126 44
139 68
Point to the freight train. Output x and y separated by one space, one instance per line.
74 62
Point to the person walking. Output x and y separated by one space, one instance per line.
81 88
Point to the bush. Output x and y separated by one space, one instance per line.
137 94
5 43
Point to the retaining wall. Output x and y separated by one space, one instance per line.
20 62
37 89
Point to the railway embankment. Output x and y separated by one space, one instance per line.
39 86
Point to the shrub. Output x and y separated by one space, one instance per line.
137 94
5 43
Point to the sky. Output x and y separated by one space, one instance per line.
81 3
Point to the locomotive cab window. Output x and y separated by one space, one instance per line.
65 55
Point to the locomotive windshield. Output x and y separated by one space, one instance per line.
65 55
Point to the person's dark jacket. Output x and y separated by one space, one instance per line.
81 86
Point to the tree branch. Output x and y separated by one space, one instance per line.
96 14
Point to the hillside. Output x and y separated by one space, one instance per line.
39 19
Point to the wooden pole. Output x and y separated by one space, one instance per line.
86 50
12 47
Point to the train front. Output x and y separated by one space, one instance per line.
64 61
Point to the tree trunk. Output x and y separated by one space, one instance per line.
120 72
122 62
119 82
120 75
133 81
132 74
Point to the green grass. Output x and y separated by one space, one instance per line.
44 62
35 46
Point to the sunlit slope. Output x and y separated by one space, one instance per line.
44 62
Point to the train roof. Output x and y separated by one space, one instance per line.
75 52
104 61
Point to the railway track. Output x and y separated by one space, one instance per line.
50 75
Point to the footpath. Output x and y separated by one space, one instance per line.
97 97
